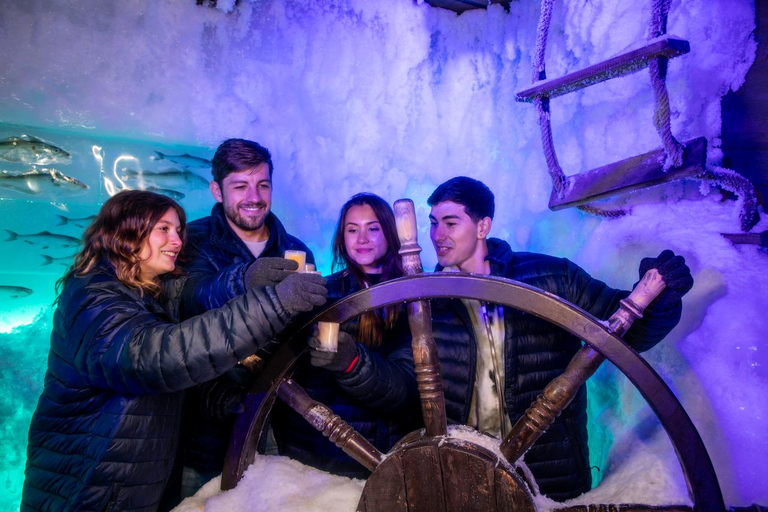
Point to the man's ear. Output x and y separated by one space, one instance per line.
484 227
216 191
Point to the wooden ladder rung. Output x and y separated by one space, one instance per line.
620 65
460 6
634 173
760 239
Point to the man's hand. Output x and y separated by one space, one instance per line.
301 292
338 361
674 272
220 398
269 271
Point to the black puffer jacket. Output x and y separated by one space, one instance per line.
216 259
378 397
105 431
535 353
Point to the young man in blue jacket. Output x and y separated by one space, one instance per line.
530 352
240 245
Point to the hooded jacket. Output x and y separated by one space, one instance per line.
378 397
106 427
535 353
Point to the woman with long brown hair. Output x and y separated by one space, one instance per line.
369 381
107 424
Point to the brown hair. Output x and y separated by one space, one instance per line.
236 155
372 324
117 234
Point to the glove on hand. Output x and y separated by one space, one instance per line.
674 272
337 361
268 271
219 399
301 292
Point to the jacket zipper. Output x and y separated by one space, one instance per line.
495 361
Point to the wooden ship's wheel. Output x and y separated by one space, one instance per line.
429 470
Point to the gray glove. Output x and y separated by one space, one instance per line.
268 271
301 292
338 361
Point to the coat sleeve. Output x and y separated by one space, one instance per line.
597 298
386 383
210 285
123 346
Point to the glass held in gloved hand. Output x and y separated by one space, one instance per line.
343 360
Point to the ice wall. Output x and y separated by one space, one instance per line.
395 97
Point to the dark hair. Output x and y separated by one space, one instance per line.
474 195
372 324
117 234
235 155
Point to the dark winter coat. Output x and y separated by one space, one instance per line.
535 353
216 259
106 428
378 397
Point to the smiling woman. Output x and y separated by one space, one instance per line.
159 252
120 360
369 380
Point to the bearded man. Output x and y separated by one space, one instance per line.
240 245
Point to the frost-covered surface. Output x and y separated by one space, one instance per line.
396 97
279 483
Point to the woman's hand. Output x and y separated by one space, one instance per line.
343 360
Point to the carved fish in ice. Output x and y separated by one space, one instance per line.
63 260
175 194
14 292
45 239
171 179
185 160
31 150
36 181
80 222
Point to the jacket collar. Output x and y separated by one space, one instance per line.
224 237
105 272
500 254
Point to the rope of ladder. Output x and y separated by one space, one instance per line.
726 178
559 180
658 69
734 182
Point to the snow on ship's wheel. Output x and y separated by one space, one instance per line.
429 470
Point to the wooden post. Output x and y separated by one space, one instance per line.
561 391
334 428
428 378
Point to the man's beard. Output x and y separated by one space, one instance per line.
247 223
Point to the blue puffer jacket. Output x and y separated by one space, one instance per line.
378 397
106 428
535 353
216 259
